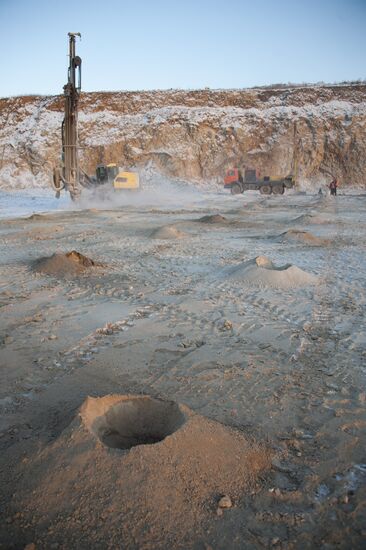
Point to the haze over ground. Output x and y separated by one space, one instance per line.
159 45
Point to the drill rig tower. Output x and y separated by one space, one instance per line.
68 175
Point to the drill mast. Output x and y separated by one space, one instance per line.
68 175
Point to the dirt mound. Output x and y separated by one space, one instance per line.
295 235
51 216
168 232
70 263
213 218
161 493
261 271
37 217
312 219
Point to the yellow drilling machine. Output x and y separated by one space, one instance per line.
69 176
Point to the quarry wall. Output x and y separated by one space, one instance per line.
315 131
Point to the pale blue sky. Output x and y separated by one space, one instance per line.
159 44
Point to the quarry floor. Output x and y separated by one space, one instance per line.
161 315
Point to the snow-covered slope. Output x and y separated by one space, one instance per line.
194 135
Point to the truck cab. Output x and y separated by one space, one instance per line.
106 173
232 176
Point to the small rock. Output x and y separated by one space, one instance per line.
30 546
277 492
185 344
225 502
263 261
219 512
227 325
275 541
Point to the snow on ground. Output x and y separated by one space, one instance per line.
25 202
162 317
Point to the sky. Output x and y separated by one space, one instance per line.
188 44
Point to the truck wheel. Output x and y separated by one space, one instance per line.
278 190
236 189
265 190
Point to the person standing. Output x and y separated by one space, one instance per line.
333 187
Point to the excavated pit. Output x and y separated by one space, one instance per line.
132 421
148 495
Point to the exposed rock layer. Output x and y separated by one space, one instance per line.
194 135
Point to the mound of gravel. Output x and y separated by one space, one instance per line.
168 232
42 217
312 219
213 218
145 471
261 271
305 237
70 263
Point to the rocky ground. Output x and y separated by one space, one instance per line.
248 310
314 132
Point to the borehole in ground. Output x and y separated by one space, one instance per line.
132 421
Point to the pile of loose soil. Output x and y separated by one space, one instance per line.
295 235
312 219
261 271
70 263
168 232
42 217
135 472
213 218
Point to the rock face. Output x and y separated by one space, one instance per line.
194 135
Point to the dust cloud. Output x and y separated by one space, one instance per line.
160 192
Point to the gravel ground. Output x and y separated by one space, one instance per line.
162 314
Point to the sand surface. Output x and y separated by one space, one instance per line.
265 357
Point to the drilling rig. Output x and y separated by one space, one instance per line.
68 175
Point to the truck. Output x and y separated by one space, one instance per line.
240 180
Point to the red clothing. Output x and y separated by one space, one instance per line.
333 184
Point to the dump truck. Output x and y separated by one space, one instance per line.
68 175
240 180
